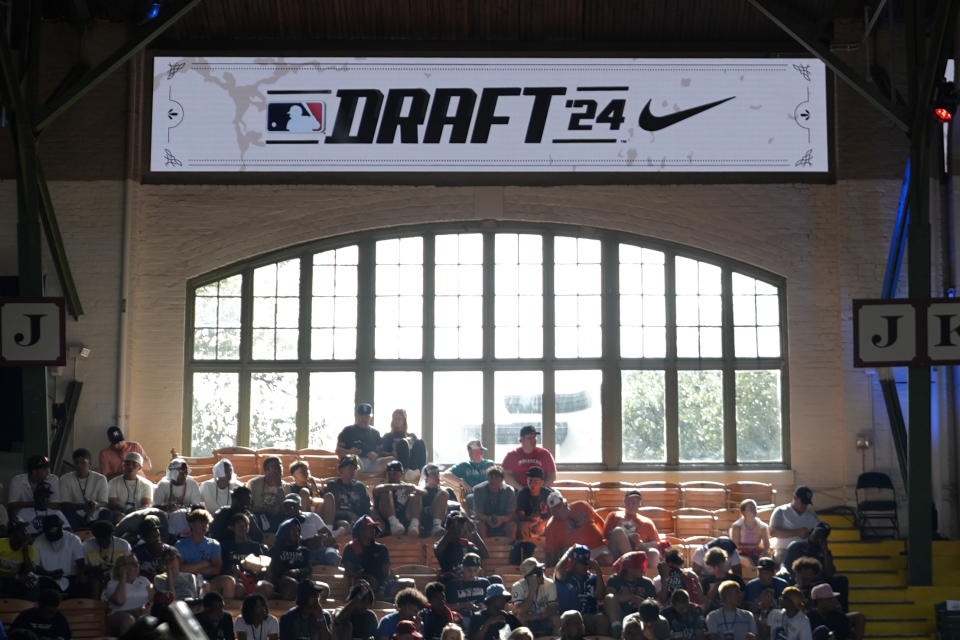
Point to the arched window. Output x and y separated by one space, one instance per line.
625 351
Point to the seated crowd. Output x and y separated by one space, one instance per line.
145 546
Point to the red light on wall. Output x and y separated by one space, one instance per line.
943 115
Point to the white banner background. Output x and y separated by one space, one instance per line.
280 114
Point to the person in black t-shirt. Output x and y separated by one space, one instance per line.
487 624
436 502
716 560
686 619
365 558
345 499
215 622
222 526
234 551
461 537
363 441
399 503
44 620
356 620
466 594
532 509
403 445
291 560
627 589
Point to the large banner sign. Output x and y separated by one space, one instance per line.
554 115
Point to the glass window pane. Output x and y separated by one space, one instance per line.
344 344
399 303
579 416
205 312
700 415
745 342
214 414
229 312
264 344
686 276
768 342
321 344
264 312
518 302
398 390
228 344
411 250
273 409
565 250
205 344
631 342
643 416
331 406
265 280
654 342
518 401
288 278
760 312
758 416
288 313
457 413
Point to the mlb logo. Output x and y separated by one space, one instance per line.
295 117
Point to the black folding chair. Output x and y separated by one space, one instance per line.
877 506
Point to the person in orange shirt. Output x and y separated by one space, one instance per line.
111 458
574 523
626 530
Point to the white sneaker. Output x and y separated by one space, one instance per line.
412 476
414 528
396 529
437 531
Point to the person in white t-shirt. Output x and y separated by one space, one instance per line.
59 555
790 622
41 508
129 595
83 492
22 486
255 621
176 494
794 521
130 491
216 491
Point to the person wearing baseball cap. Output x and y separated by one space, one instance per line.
533 513
487 624
83 491
399 503
579 580
130 491
363 441
59 555
627 530
23 485
460 537
365 558
573 523
40 508
528 454
176 493
345 499
466 592
766 579
216 491
466 475
534 598
113 456
828 612
793 521
307 619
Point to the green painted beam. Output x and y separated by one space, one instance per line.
144 36
57 249
804 32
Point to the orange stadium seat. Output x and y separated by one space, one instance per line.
661 517
87 618
761 492
660 494
704 495
693 522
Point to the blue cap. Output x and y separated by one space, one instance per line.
364 409
495 591
581 553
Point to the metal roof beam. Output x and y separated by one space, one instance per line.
804 32
49 112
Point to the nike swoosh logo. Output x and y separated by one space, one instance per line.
650 122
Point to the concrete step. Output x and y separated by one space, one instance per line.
901 625
848 562
888 608
844 533
876 577
879 593
867 547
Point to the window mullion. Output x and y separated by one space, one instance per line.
671 390
488 428
303 349
246 350
429 331
366 274
610 391
549 428
729 372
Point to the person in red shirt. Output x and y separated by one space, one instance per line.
626 530
528 454
574 523
111 458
